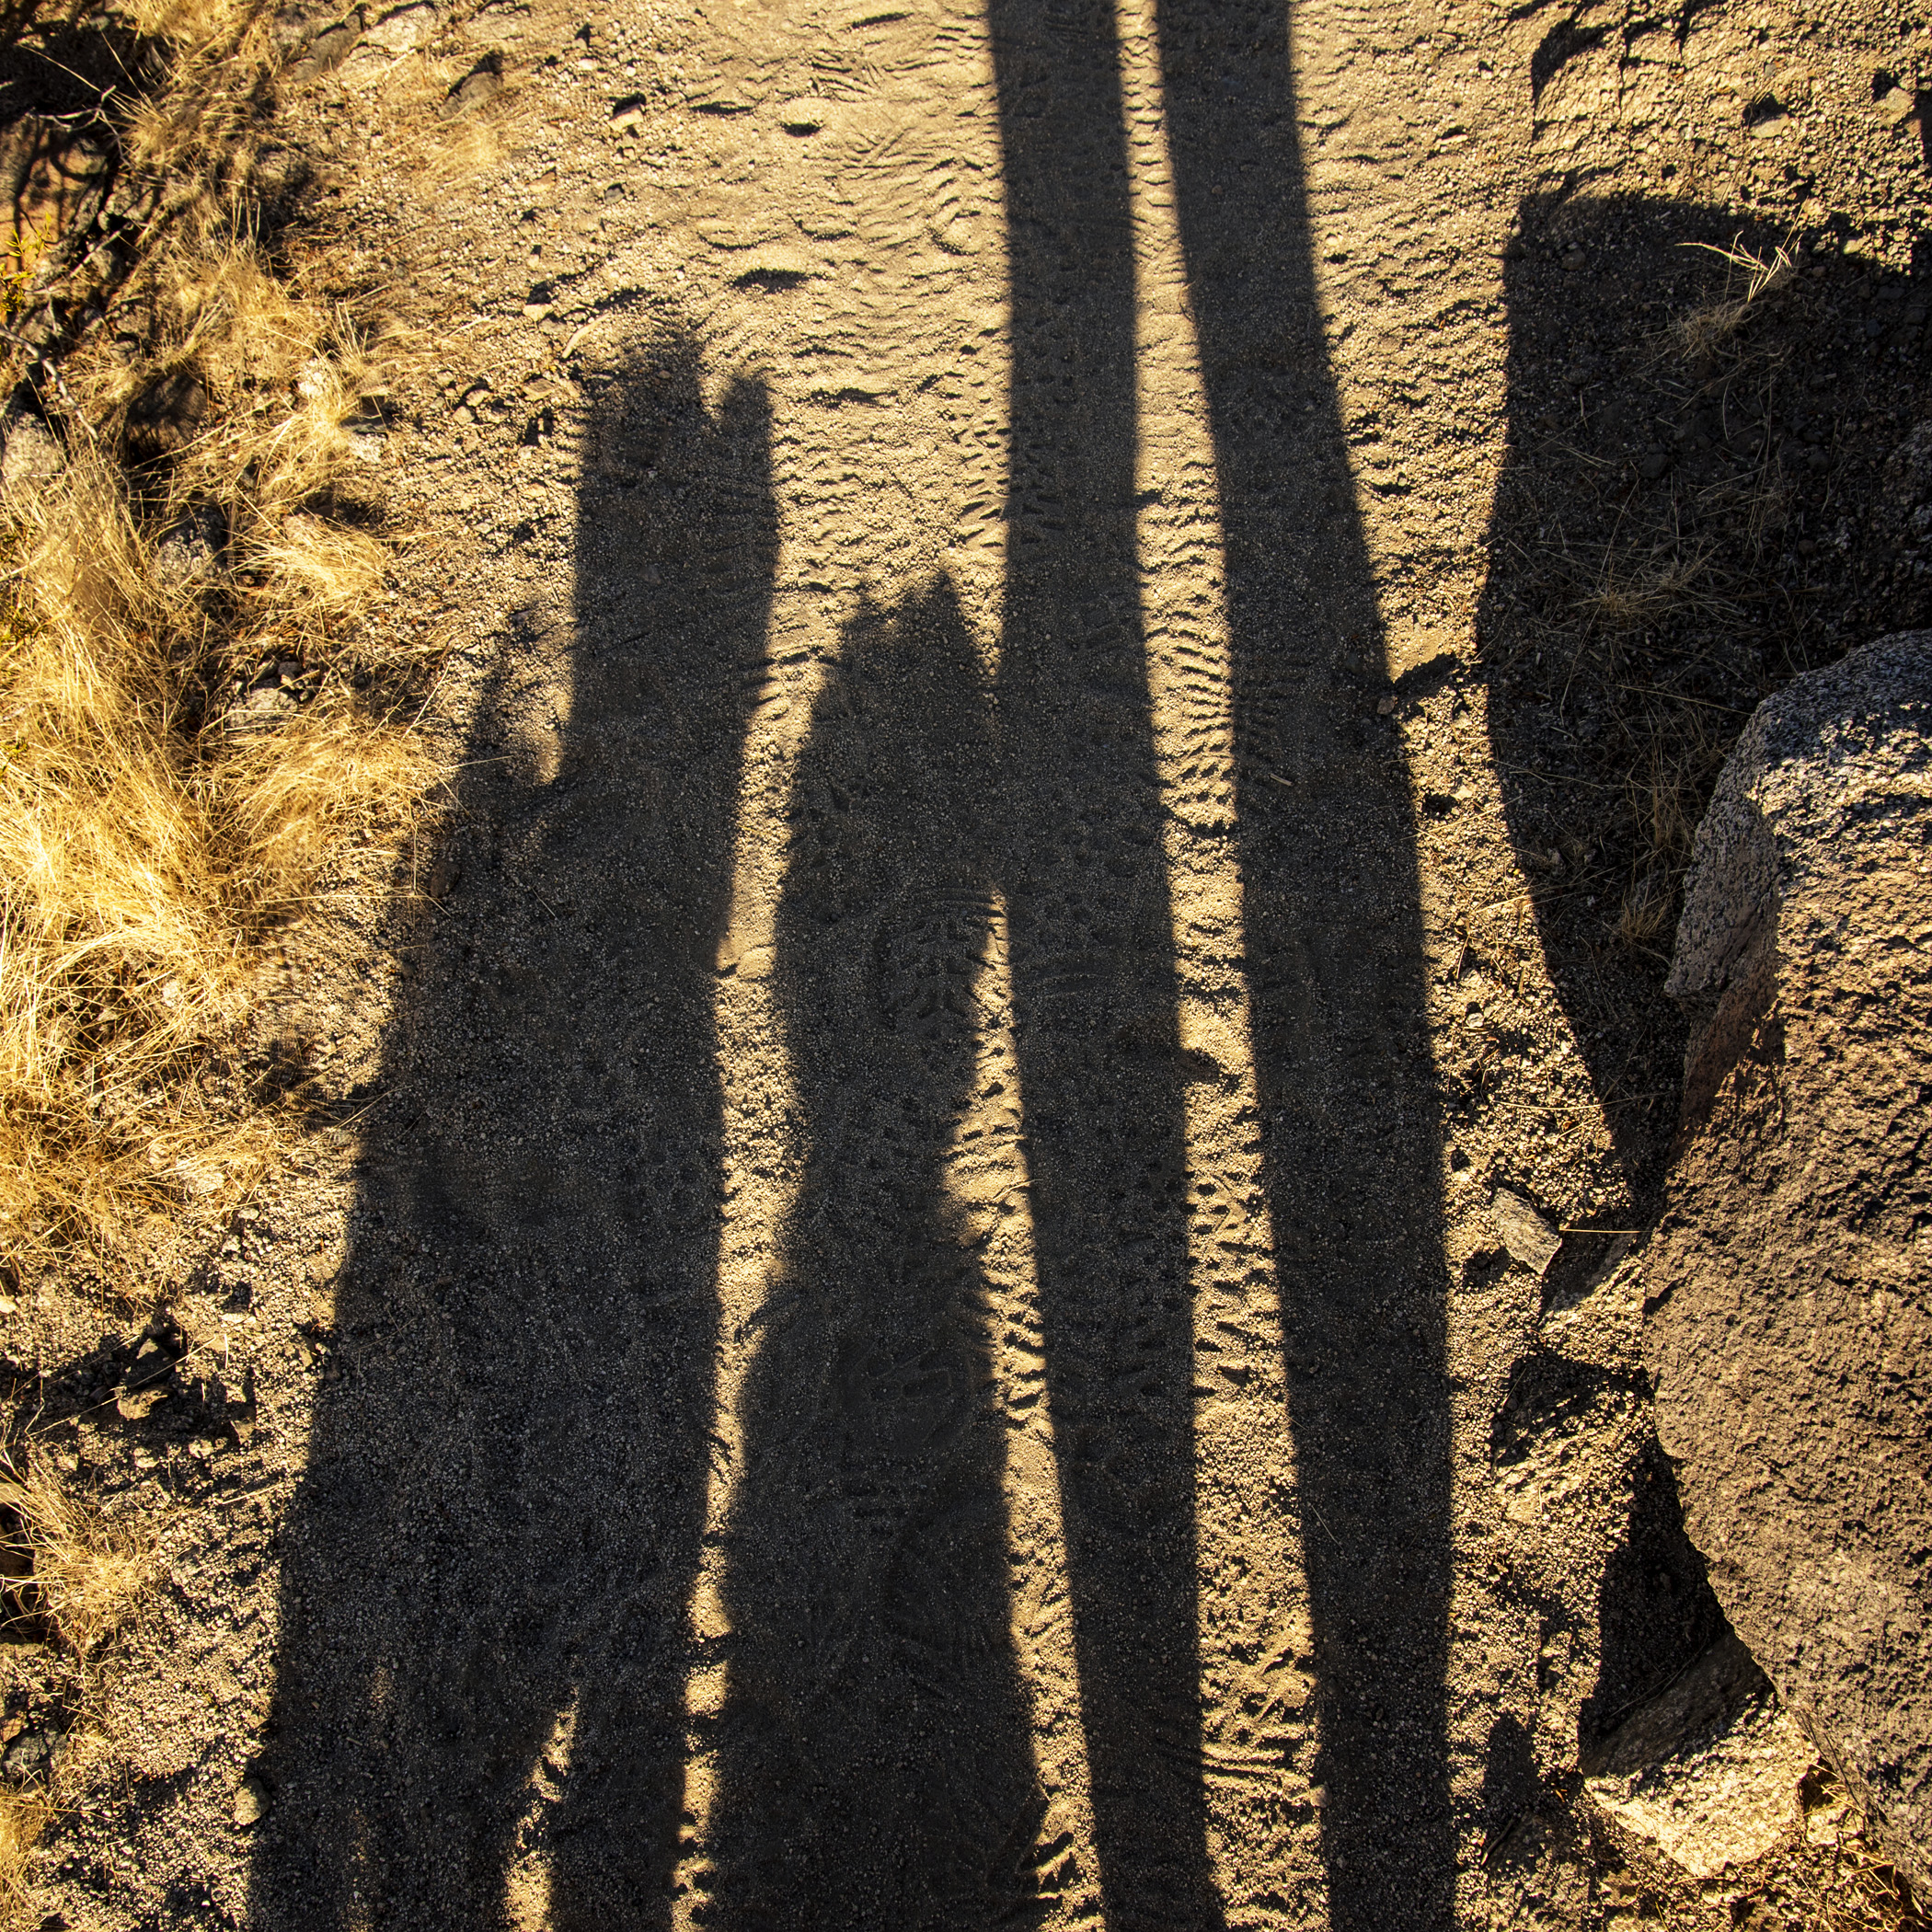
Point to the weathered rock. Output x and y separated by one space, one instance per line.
1528 1236
403 29
329 49
30 456
28 1755
1708 1769
166 414
479 86
1789 1316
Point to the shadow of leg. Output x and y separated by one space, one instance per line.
1328 862
1093 963
875 1763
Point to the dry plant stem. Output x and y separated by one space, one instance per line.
1701 334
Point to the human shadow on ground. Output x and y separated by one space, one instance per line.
874 1757
1326 841
875 1763
479 1696
1094 992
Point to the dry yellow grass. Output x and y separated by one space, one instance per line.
202 535
24 1817
68 1569
74 1577
1701 334
1641 599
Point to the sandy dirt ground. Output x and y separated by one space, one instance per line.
906 1320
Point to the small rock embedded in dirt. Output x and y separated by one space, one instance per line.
29 455
481 84
251 1802
328 49
1707 1769
265 706
1789 1312
1528 1236
189 550
1896 102
28 1755
134 1404
804 116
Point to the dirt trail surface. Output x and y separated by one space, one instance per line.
911 1322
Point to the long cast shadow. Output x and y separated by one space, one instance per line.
1094 983
480 1689
875 1755
1338 977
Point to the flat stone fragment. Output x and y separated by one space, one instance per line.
1525 1233
1708 1769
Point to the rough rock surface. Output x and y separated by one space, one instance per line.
1788 1323
1708 1769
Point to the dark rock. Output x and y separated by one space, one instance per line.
166 414
1790 1312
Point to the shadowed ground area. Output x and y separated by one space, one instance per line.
496 1539
875 1763
953 977
1094 989
497 1531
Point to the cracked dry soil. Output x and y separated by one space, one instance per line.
908 1324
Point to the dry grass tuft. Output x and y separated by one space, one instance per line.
1700 335
192 731
25 1814
68 1569
72 1577
1645 597
1667 788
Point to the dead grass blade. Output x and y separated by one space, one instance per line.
1701 334
67 1568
